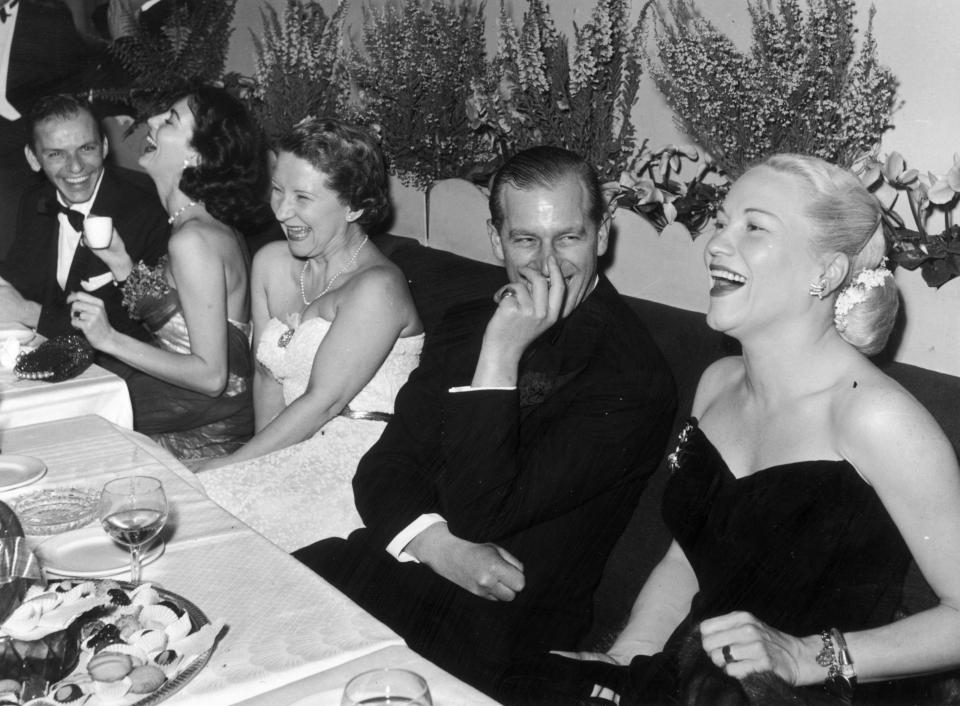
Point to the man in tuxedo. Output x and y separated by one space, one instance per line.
48 258
518 448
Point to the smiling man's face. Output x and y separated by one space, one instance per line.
542 221
70 152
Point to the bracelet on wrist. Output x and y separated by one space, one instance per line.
835 657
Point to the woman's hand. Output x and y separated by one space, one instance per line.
114 256
88 315
740 644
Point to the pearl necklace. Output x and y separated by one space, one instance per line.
330 283
180 211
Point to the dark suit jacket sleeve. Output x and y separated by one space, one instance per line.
394 484
496 483
23 261
467 456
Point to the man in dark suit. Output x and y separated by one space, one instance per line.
48 258
518 448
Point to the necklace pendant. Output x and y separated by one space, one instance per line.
285 337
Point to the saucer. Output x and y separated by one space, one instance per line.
91 553
18 471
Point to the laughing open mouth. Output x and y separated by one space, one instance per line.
725 280
296 232
149 144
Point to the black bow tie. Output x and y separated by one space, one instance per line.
51 207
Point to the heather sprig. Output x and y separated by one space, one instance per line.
802 86
412 80
534 93
299 69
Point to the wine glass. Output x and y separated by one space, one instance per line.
385 687
133 511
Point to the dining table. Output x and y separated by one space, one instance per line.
94 391
289 637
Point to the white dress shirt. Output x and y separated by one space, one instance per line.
69 240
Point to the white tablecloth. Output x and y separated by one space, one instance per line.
283 621
94 391
326 688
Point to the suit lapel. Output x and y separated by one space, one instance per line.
563 352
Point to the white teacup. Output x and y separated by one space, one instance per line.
98 231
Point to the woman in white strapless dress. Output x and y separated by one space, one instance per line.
335 335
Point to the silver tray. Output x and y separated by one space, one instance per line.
197 621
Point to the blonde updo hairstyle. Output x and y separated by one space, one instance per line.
847 220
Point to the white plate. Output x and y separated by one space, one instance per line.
19 334
18 471
91 553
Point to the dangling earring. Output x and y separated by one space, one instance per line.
818 288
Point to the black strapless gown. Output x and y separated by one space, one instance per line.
803 546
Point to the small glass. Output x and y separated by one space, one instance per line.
385 687
133 510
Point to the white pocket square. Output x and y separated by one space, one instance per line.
94 283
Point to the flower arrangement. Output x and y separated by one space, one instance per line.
190 45
651 187
802 86
936 254
532 93
299 70
412 82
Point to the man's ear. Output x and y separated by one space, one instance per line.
603 234
495 241
106 147
32 158
835 273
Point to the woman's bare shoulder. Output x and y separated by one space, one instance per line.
202 236
875 417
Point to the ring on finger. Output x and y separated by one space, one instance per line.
504 293
727 656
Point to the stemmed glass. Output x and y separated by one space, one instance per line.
387 686
133 511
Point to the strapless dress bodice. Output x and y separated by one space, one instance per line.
288 351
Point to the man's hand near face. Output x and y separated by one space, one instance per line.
526 309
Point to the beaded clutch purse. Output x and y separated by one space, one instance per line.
60 358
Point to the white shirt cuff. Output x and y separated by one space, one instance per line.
95 283
471 388
406 535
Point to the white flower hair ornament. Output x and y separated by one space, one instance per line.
856 293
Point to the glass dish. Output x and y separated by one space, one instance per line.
55 510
